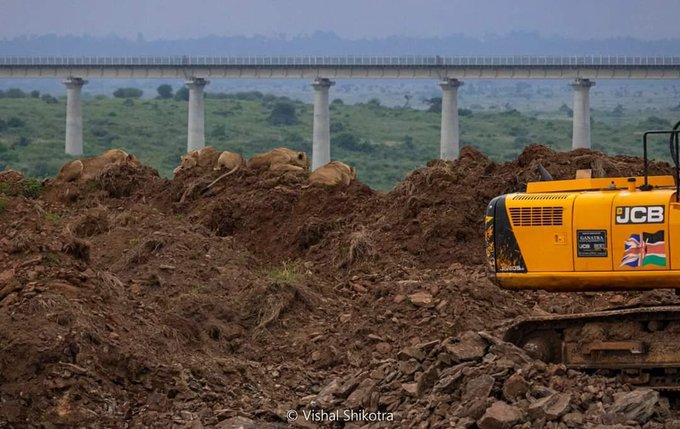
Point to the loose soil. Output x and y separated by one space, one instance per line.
136 301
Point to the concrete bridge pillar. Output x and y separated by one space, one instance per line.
74 116
449 144
581 120
321 136
196 127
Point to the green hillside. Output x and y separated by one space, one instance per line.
383 143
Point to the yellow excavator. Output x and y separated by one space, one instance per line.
595 234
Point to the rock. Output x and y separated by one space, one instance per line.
408 367
6 276
515 387
465 423
500 416
348 386
551 407
186 415
449 383
538 391
398 299
475 408
378 373
479 387
421 299
511 352
507 350
428 346
573 420
616 426
427 380
383 348
469 346
617 299
238 423
325 357
326 396
637 405
361 395
410 388
411 353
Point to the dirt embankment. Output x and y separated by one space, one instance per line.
134 301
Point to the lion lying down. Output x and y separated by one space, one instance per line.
333 173
88 168
210 157
280 159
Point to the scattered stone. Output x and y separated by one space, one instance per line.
478 387
551 407
515 387
361 395
383 348
411 353
428 347
398 299
465 423
573 420
470 346
448 383
500 416
421 299
410 388
672 424
408 367
426 381
238 423
637 405
326 396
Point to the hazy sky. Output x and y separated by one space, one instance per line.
171 19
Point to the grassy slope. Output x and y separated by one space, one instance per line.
401 140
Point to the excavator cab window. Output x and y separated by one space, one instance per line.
673 143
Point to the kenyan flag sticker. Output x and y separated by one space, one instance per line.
641 250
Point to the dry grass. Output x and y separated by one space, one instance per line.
94 222
360 246
266 304
273 301
142 253
78 248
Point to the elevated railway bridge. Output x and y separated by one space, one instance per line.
449 71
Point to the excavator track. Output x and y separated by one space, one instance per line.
643 343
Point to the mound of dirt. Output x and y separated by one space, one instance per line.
134 301
123 180
113 182
437 212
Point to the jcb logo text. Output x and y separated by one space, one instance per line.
640 214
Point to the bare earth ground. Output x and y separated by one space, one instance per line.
135 301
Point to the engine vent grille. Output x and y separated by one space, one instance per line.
536 216
540 197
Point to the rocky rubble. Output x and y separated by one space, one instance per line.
477 380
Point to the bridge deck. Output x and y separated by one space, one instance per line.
412 66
